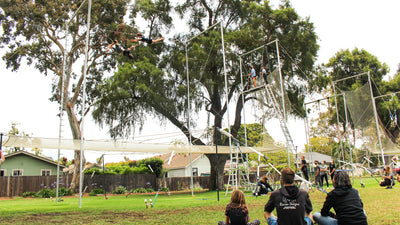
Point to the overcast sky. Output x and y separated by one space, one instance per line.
340 24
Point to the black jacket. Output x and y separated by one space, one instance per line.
348 206
291 205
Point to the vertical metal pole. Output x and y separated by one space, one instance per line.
348 136
376 119
188 112
283 96
61 110
308 139
226 90
337 118
81 174
244 111
216 152
104 178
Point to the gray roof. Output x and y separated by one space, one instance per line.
311 157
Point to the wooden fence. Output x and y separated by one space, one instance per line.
15 186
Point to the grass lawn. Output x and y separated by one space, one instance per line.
382 207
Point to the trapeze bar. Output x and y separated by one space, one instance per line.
246 53
381 96
365 73
202 32
332 96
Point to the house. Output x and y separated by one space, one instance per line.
312 157
179 165
22 163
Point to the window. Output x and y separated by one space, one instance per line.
17 172
2 173
45 172
195 171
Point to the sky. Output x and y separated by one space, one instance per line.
341 24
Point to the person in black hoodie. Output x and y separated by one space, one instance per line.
293 205
346 202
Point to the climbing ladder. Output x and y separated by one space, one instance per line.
238 171
269 96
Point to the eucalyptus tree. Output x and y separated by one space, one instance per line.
35 33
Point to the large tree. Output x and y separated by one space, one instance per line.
156 83
34 32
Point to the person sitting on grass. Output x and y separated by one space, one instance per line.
398 175
263 187
293 205
236 211
346 202
387 178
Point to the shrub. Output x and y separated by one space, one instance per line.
96 191
29 194
46 193
65 192
166 189
149 190
140 190
120 190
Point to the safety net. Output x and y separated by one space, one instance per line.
359 103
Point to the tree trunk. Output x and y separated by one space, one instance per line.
217 163
76 135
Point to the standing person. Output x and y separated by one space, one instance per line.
2 159
317 174
264 74
332 169
324 175
236 211
304 168
126 52
141 38
253 76
346 202
263 187
293 205
387 178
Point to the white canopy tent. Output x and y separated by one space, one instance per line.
122 146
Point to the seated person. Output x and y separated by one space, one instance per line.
387 178
293 205
346 202
398 175
236 211
262 187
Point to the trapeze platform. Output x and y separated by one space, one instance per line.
254 89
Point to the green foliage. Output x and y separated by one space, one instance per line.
120 190
139 190
149 190
65 191
165 189
46 193
96 191
137 167
95 170
29 194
